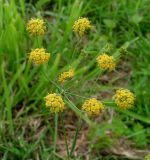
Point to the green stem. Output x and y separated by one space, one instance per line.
78 111
75 139
37 42
27 69
127 112
75 50
65 136
60 157
56 131
55 84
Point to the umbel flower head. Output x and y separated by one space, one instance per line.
92 107
36 27
106 62
81 26
124 98
66 75
54 102
39 56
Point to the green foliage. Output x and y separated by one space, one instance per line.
139 140
22 87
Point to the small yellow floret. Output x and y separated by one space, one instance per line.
39 56
54 102
66 75
106 62
92 107
124 98
81 26
36 27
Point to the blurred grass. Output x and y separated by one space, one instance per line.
23 87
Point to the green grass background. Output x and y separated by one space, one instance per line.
22 86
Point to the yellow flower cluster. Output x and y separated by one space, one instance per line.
36 27
124 98
92 107
81 26
66 75
54 102
39 56
106 62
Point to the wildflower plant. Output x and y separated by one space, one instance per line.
53 65
59 97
